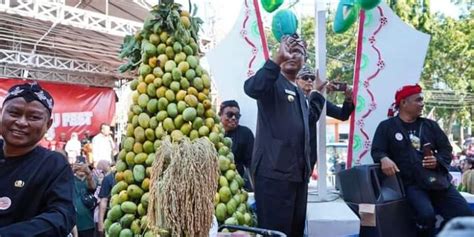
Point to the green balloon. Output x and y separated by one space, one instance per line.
346 14
271 5
368 4
284 23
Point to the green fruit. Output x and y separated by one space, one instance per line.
128 176
223 181
175 86
140 158
198 83
129 207
139 173
137 147
242 208
223 163
115 229
151 90
197 123
203 131
128 144
148 145
121 185
178 121
170 96
224 193
167 79
126 233
159 133
144 70
206 81
176 135
231 221
153 123
150 159
158 73
172 110
181 106
169 66
141 210
224 150
200 109
248 219
129 158
191 100
168 125
136 109
193 134
115 213
184 83
189 114
183 66
161 48
221 212
239 217
162 104
186 129
169 52
134 191
107 224
135 121
120 166
234 186
157 142
144 120
139 134
149 48
228 141
199 70
176 74
152 106
135 227
230 175
177 47
129 130
180 57
209 122
145 199
188 51
143 100
190 74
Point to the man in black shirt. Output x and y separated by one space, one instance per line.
398 147
242 138
36 194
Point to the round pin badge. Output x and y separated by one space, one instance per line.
398 136
5 203
291 98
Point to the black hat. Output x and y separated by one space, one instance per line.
228 103
30 92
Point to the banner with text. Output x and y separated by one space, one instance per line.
77 108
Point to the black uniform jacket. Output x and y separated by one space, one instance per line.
282 145
390 141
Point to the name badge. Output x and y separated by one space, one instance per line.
290 92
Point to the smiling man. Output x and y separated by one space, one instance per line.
418 149
36 184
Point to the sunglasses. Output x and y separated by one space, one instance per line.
308 77
230 115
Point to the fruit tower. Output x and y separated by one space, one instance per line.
171 100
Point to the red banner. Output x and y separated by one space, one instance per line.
77 108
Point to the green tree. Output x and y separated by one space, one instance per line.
448 60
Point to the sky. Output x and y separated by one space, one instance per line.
221 14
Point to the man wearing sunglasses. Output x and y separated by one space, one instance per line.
305 80
242 138
282 161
